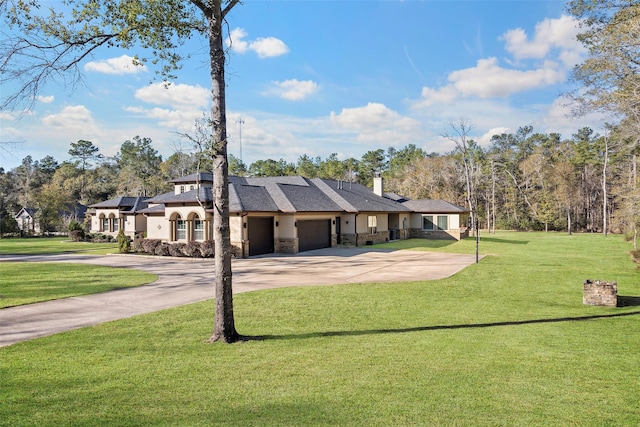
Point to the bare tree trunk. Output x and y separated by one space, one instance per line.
224 325
460 138
493 197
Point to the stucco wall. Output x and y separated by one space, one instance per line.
157 227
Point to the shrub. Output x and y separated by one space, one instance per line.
99 238
175 249
76 235
207 249
192 249
149 245
162 249
136 244
75 225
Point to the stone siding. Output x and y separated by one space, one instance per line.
286 246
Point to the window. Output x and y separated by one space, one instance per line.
105 224
191 187
427 222
116 224
198 229
181 229
181 189
443 222
372 222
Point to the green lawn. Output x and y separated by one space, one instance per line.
506 342
29 282
53 245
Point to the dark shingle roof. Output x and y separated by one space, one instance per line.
287 194
360 198
194 178
299 194
202 194
433 206
249 198
126 204
158 209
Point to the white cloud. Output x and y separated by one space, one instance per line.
559 119
293 90
45 99
175 95
264 47
177 119
235 42
485 139
549 34
444 95
376 124
269 47
121 65
73 118
554 46
487 79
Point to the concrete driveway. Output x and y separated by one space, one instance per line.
183 281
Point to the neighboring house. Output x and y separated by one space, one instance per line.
273 214
27 222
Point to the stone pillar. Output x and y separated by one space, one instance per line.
600 292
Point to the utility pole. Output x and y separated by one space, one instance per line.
240 122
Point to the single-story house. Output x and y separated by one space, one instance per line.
286 214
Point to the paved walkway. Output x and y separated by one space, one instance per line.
183 281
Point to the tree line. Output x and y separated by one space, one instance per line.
523 180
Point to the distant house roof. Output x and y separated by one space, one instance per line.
26 212
434 206
75 210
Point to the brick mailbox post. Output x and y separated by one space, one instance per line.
600 292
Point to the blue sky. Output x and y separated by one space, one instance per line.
323 77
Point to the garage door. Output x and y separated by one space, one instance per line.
260 235
314 234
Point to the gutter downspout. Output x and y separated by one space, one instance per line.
355 228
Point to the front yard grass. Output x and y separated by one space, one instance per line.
504 342
53 245
29 282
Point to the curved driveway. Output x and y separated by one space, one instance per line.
183 281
